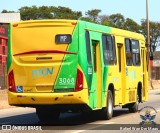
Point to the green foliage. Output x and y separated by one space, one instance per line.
5 11
87 19
117 20
131 25
29 13
104 20
154 33
93 14
66 13
45 12
114 20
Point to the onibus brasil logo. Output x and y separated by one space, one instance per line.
147 117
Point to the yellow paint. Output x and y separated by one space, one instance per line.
99 74
127 34
48 98
125 87
29 36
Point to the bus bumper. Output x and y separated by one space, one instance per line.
31 99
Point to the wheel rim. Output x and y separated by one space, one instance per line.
109 106
137 98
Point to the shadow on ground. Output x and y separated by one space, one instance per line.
66 119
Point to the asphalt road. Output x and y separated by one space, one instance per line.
79 122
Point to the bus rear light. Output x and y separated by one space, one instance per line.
79 81
15 25
11 82
74 23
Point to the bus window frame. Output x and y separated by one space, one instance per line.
88 47
136 54
129 58
109 49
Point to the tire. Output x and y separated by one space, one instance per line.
47 114
133 107
107 112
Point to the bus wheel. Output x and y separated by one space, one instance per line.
107 112
133 107
47 114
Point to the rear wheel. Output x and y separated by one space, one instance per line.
133 107
47 114
107 112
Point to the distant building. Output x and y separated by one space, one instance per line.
155 66
5 19
9 17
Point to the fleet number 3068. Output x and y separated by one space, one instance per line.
66 81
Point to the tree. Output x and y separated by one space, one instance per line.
66 13
104 20
87 19
154 34
5 11
93 14
45 12
131 25
117 20
29 13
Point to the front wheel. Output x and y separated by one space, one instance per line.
107 112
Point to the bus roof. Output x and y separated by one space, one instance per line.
89 26
49 22
114 31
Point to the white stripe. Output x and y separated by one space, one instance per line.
5 123
109 123
158 110
100 124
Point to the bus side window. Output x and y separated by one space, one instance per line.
135 52
88 48
128 49
109 53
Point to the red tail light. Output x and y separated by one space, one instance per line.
79 81
11 82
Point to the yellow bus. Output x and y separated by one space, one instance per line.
60 65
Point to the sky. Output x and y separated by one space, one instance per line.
134 9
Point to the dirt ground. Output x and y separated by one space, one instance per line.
4 100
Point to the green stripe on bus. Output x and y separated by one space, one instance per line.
9 61
68 70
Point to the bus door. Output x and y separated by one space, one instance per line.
122 75
144 69
97 72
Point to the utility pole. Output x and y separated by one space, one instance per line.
148 39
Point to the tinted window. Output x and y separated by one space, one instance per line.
128 49
135 52
88 48
109 53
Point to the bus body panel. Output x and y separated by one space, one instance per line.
38 61
33 99
52 78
